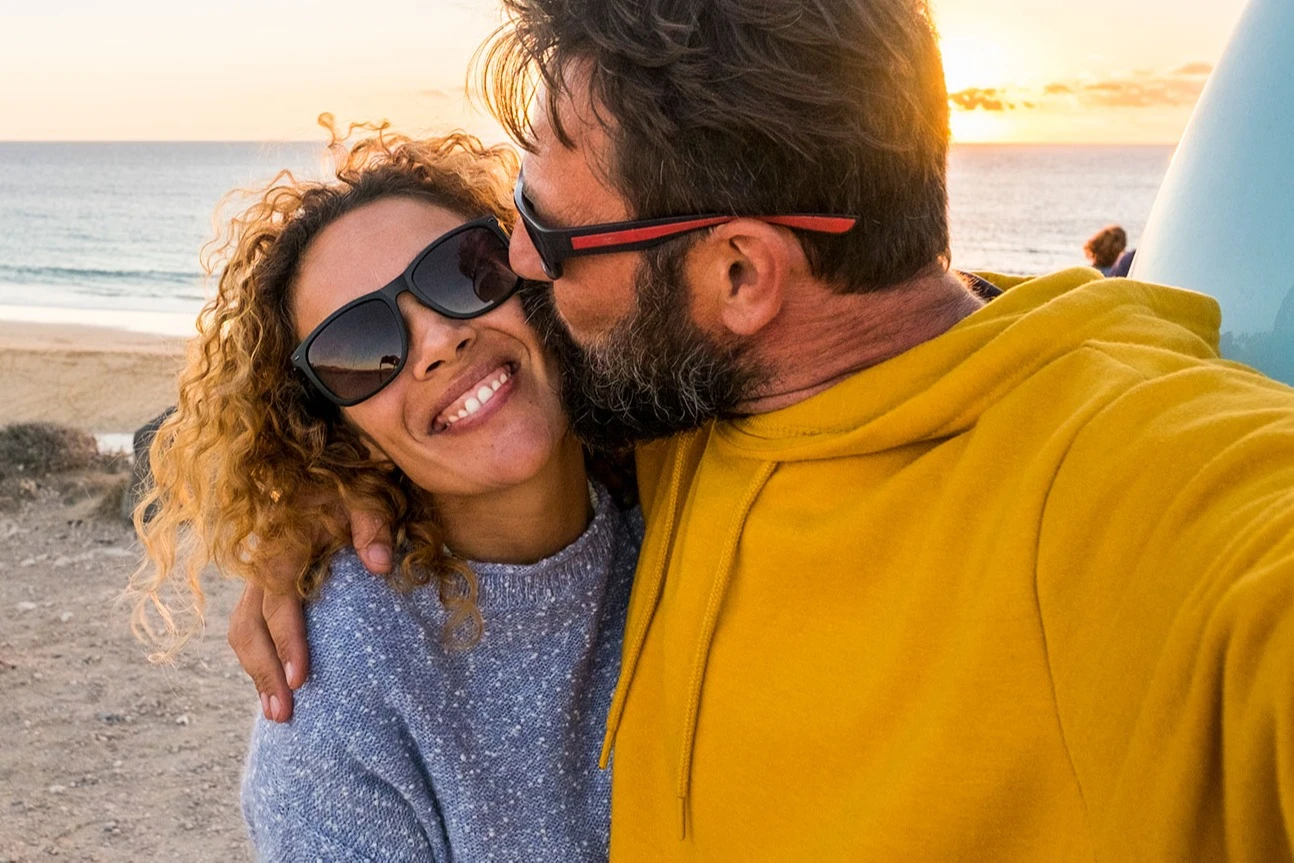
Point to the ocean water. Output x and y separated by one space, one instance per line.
1029 209
110 233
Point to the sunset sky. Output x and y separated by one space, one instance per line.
1018 70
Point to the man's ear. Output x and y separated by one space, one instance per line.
752 265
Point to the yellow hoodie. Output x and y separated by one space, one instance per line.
1025 592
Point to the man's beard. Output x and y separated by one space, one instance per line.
651 376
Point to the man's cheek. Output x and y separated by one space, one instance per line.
583 314
592 308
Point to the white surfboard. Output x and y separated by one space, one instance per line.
1223 223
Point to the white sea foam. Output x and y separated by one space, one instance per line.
132 320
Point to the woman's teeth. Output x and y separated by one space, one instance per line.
474 401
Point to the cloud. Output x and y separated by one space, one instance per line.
1170 92
980 99
1180 88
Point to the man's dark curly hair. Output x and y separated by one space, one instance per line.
752 107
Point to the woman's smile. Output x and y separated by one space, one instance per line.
482 398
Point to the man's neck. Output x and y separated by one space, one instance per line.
524 523
822 337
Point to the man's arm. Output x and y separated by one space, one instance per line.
267 628
1166 594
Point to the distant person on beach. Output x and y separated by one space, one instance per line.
366 339
1105 249
929 574
1123 266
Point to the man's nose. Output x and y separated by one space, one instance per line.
434 339
523 257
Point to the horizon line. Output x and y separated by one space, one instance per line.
323 144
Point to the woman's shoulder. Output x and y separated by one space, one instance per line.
628 543
339 777
625 550
352 591
348 575
362 629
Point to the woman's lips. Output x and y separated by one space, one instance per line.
478 401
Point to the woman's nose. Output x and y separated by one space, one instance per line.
434 339
523 257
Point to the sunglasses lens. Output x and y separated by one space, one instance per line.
359 352
467 275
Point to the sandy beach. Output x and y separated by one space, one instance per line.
98 379
106 756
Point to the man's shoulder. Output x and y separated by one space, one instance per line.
1197 451
1175 393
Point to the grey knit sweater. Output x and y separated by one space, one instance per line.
401 749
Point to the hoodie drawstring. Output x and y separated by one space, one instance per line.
650 586
717 593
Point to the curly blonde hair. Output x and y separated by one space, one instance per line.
1105 246
250 467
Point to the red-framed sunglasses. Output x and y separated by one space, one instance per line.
555 245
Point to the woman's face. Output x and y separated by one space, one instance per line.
413 421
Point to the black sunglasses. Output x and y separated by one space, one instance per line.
362 346
557 244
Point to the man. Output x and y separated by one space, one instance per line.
932 572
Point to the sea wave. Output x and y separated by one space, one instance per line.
82 275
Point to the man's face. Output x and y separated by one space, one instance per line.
567 189
638 366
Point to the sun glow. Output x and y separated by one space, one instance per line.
976 61
979 127
971 61
157 70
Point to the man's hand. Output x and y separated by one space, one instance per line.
267 628
268 634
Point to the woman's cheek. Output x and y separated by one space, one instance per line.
372 431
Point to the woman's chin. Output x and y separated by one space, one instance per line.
514 459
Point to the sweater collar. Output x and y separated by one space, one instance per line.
567 577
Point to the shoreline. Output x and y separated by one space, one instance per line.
101 379
175 324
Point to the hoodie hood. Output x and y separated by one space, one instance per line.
938 389
932 392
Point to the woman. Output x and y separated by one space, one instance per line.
367 340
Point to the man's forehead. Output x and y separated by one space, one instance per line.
576 120
569 182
